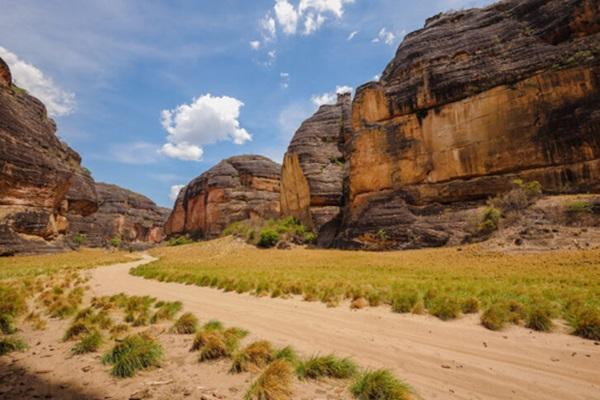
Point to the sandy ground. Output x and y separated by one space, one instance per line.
440 360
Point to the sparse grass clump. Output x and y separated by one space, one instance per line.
405 300
326 367
77 329
379 385
214 348
88 343
253 357
587 324
539 318
470 305
10 344
186 324
445 308
135 352
494 318
166 311
275 383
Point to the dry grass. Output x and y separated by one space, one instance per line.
275 383
443 282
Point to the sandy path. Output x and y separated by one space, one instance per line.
454 360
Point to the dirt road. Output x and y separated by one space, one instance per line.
440 360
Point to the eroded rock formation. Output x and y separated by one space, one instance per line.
236 189
313 167
37 174
471 101
123 214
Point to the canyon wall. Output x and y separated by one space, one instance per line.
123 214
471 101
313 167
41 178
236 189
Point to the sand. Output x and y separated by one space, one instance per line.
440 360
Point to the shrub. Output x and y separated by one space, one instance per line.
6 324
275 383
80 239
135 352
587 324
253 357
10 344
539 318
470 305
116 241
382 235
88 344
186 324
445 308
268 238
379 385
179 241
404 301
326 367
489 220
578 207
310 237
494 317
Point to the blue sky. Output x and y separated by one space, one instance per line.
153 93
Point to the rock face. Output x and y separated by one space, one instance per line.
313 167
471 101
122 213
236 189
41 178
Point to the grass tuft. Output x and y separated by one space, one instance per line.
405 301
587 324
379 385
539 319
253 357
186 324
135 352
275 383
494 318
214 348
445 308
326 367
89 343
11 344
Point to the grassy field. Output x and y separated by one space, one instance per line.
30 266
520 288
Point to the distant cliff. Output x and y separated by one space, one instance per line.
41 179
122 214
236 189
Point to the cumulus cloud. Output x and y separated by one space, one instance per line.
174 192
57 101
309 14
208 119
268 28
329 97
385 36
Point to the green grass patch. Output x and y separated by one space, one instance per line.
328 366
380 385
134 353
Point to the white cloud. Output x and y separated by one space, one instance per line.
57 101
335 7
174 191
385 36
208 119
255 44
268 29
313 23
136 153
287 16
330 97
352 35
285 79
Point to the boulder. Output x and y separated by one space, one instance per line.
236 189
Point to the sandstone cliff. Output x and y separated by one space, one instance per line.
37 175
236 189
471 101
313 167
123 214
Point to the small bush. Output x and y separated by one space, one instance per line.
326 367
7 324
135 352
489 220
253 357
445 308
10 344
268 238
578 207
275 383
470 305
539 319
88 344
186 324
495 317
213 325
379 385
80 239
587 324
404 301
116 241
179 241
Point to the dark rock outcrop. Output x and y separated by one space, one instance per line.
313 167
236 189
37 174
471 101
123 214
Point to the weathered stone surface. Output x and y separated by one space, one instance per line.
37 171
313 167
122 213
236 189
471 101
